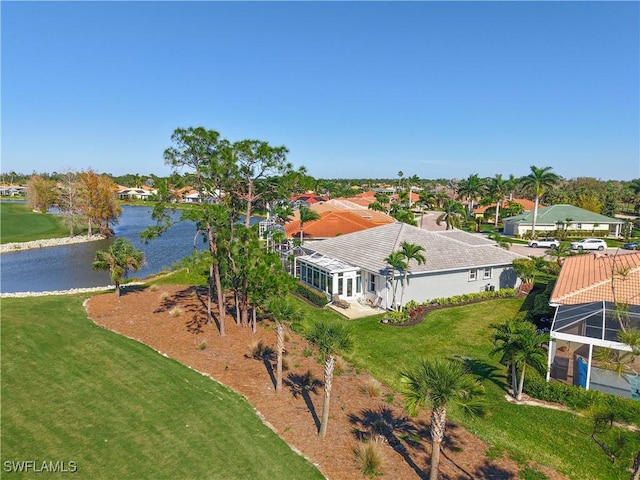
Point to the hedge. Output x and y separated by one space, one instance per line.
314 296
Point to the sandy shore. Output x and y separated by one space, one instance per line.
49 242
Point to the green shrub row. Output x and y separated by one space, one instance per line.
314 296
577 398
466 298
396 317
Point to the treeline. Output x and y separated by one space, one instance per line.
82 198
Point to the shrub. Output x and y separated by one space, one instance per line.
395 317
371 387
370 458
314 296
176 312
260 351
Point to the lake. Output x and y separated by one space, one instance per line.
69 266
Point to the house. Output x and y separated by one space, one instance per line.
353 266
336 222
306 199
141 193
525 203
574 221
596 295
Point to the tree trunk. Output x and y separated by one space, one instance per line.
514 380
535 217
438 425
213 250
117 290
328 379
495 224
635 474
247 218
521 386
280 352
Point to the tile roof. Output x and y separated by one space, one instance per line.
560 213
337 222
587 278
526 204
452 250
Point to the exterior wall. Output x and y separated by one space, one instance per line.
523 228
422 288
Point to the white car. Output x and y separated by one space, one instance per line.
589 244
544 243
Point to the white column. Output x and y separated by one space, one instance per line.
586 387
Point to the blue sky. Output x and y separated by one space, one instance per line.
353 89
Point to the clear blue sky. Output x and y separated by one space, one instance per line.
353 89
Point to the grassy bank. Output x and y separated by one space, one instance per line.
20 224
559 440
72 391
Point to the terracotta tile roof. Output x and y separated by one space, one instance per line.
526 204
587 278
333 223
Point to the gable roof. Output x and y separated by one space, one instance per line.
449 250
587 278
332 223
560 213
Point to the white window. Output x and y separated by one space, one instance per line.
473 275
372 283
486 273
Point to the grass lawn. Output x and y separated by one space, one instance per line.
72 391
556 439
20 224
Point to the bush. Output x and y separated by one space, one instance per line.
370 458
314 296
395 317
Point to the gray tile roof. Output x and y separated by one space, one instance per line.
559 213
451 250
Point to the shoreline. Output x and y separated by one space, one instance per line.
48 242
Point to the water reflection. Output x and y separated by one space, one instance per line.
65 267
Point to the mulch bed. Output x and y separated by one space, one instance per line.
153 317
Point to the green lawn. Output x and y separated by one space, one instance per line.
556 439
19 224
72 391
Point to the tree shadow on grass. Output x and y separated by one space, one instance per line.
392 426
303 385
487 371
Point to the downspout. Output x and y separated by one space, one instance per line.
586 387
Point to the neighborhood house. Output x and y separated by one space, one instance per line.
353 268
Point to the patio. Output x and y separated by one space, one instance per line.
356 310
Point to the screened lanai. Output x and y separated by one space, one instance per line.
577 332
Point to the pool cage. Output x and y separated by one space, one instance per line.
578 331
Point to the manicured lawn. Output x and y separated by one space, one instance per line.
556 439
20 224
72 391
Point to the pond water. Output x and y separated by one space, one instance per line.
69 266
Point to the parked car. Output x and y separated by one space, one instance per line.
589 244
544 243
630 246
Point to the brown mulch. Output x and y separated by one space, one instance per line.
171 319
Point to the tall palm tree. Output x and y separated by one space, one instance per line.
410 251
498 188
306 215
504 344
282 311
120 258
330 338
452 212
438 383
471 188
537 182
396 261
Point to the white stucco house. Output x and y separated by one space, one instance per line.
352 266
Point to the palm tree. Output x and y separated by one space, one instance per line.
306 215
451 215
330 339
410 251
537 182
471 188
520 345
438 383
282 311
396 261
120 258
497 188
530 352
562 251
